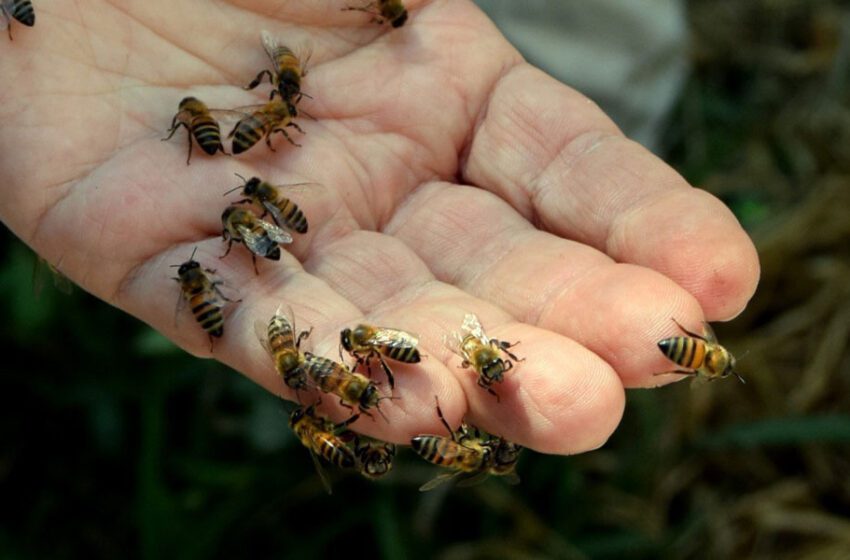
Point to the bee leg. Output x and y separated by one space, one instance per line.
689 333
443 420
387 371
679 371
221 149
350 420
215 286
229 245
269 140
296 127
301 336
189 139
282 131
259 79
174 126
504 345
254 262
483 384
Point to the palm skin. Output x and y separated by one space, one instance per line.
571 239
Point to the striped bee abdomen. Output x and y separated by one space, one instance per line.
206 312
406 354
22 11
207 133
686 351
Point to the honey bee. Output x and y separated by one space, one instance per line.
284 212
468 452
353 389
287 70
264 121
482 353
374 458
20 10
278 338
261 238
392 11
199 122
203 295
365 342
319 436
703 356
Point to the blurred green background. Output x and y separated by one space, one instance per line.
117 444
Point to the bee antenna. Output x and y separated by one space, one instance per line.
192 256
236 188
741 379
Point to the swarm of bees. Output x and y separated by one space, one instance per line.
18 10
470 454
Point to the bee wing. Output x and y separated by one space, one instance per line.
472 325
304 52
321 471
181 303
435 482
393 338
270 44
708 332
261 329
472 479
274 211
275 233
453 342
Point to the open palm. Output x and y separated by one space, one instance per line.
451 177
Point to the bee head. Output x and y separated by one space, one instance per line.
187 101
251 186
297 415
399 20
187 266
494 369
345 339
507 454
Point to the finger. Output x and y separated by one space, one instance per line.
559 387
558 159
476 241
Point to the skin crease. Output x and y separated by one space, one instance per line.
576 242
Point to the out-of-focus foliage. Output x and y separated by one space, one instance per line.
116 444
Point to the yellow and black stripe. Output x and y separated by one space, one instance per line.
684 350
23 11
247 132
287 72
292 216
208 314
333 450
207 133
402 353
280 334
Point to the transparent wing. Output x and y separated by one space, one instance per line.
274 211
275 233
270 44
435 482
262 331
472 479
452 342
472 325
257 243
393 338
322 475
708 332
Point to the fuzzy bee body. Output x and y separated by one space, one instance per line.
365 342
261 238
375 458
283 211
267 119
319 436
197 119
279 340
353 389
701 354
288 69
467 453
202 295
482 353
19 10
392 11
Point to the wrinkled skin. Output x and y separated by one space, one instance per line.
572 239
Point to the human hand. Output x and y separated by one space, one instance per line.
576 241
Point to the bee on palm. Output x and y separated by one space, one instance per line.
270 198
261 238
320 436
470 455
288 69
353 389
382 11
366 342
701 354
18 10
279 340
482 353
262 122
199 122
203 295
374 457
